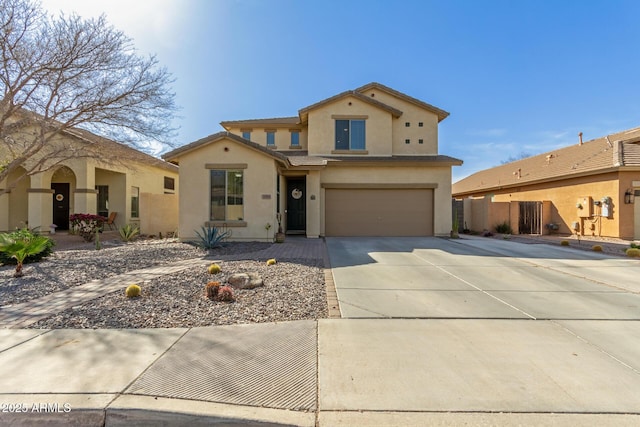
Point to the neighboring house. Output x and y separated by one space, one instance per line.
140 189
587 188
364 162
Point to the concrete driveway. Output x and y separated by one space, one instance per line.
480 278
479 331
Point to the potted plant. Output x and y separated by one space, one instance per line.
280 233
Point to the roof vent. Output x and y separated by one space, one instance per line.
580 136
518 173
549 157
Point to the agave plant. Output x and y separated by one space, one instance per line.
211 237
21 248
129 232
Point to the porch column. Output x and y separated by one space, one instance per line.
40 203
4 212
85 196
313 204
4 208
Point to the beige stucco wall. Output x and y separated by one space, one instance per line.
158 214
413 115
627 181
34 194
282 135
564 195
18 201
321 122
419 175
315 209
259 182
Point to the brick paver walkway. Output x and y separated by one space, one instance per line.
26 313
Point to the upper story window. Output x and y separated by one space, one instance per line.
271 138
227 195
246 134
407 124
350 135
295 139
169 183
420 124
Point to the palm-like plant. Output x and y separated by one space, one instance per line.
21 248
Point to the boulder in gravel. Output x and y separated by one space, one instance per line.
249 280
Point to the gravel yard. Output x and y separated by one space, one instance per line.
294 288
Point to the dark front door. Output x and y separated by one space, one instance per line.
296 205
61 205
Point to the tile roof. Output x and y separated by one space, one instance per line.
275 121
111 150
374 85
175 154
303 112
121 151
439 158
595 156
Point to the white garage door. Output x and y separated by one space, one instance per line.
378 212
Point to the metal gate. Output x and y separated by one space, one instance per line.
457 215
530 218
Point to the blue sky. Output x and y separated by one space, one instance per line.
517 76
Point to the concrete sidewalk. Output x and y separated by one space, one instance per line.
341 372
475 369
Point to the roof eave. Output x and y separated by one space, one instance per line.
484 190
442 114
174 156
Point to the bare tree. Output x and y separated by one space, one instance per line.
522 155
62 74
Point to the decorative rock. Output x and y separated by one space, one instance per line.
249 280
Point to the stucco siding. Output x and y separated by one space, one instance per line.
564 195
259 183
282 136
322 126
413 115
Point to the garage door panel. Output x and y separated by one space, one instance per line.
379 212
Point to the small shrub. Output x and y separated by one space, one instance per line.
212 289
596 248
86 225
214 269
271 261
503 228
132 291
26 234
225 294
22 247
211 238
634 245
129 232
564 242
633 252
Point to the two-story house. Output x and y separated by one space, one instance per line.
364 162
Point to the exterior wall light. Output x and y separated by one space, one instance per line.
628 197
